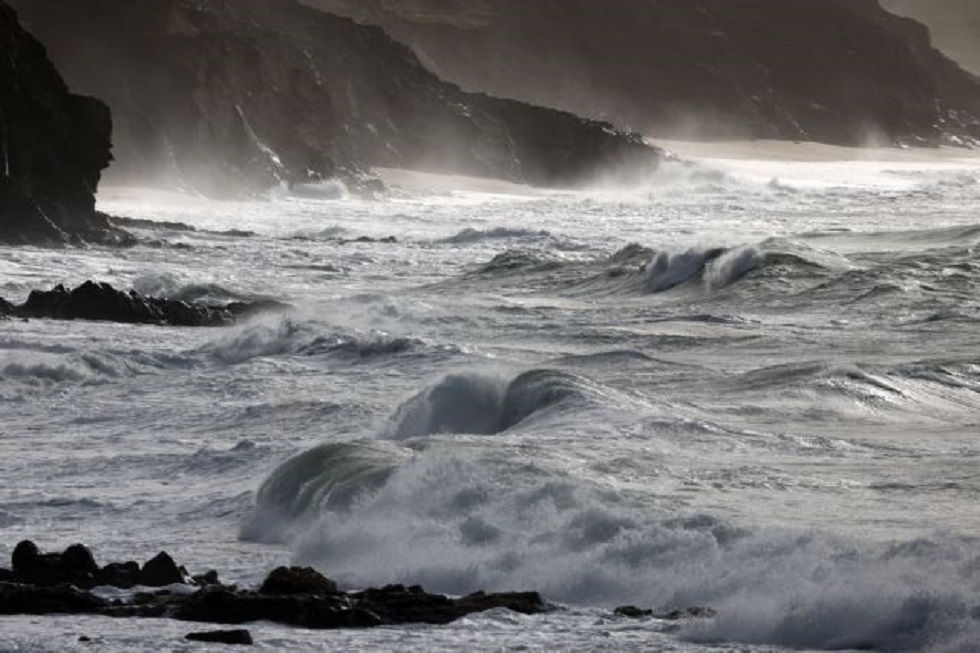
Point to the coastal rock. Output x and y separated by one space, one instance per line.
400 604
160 571
124 575
632 612
53 148
241 637
237 96
836 71
38 599
297 596
297 580
75 566
225 606
100 301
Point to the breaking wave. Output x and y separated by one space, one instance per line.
470 236
482 405
297 337
458 518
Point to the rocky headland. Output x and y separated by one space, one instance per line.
836 71
232 96
53 147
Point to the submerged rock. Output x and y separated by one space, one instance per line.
240 637
102 302
53 148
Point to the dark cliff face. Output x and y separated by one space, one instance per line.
53 147
838 71
954 24
226 95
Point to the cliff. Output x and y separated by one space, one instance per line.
230 95
53 147
954 24
837 71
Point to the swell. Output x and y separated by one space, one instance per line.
460 518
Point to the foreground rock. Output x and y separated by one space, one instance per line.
58 583
837 71
53 148
241 637
225 96
102 302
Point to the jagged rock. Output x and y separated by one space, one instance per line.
696 612
632 612
74 566
225 606
160 571
838 71
206 579
100 301
241 637
398 604
294 596
18 598
124 575
231 95
53 148
297 580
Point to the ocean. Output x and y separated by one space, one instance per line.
751 384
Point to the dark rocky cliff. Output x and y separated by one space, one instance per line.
838 71
954 24
225 95
53 147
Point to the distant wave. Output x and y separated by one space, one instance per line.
168 286
291 336
482 405
522 260
470 235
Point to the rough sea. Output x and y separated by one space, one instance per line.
748 385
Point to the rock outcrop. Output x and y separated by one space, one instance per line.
226 95
53 148
837 71
102 302
58 583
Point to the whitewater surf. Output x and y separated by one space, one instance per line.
749 384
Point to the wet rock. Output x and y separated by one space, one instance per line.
102 302
225 606
241 636
206 579
688 613
296 596
124 575
398 604
160 571
632 612
74 566
297 580
17 598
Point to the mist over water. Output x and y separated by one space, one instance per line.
746 384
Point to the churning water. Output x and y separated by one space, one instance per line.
752 385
